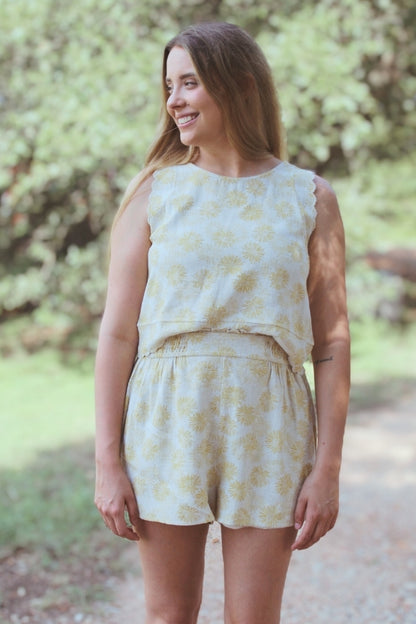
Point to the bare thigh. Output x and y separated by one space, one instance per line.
255 567
172 559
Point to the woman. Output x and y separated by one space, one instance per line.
226 274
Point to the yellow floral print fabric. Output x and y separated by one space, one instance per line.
218 427
219 421
230 254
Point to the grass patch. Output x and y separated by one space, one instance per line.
48 503
44 403
383 363
48 523
47 457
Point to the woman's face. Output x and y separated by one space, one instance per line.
194 111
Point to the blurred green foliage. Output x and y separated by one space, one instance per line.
378 209
79 102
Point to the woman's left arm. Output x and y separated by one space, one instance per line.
317 505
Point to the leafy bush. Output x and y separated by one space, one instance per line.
79 100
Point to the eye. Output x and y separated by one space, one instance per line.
190 83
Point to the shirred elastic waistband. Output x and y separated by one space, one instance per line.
252 346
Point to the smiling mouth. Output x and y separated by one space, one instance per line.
182 121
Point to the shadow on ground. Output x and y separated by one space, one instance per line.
385 393
56 557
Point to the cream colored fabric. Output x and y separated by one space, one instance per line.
219 419
218 427
230 254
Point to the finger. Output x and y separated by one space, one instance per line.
306 532
133 514
130 534
305 540
312 533
333 520
328 520
123 529
114 520
311 539
127 533
109 523
300 512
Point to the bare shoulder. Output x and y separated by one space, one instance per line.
144 189
325 195
138 203
139 186
130 235
133 218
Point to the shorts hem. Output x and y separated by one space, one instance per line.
175 522
256 525
229 525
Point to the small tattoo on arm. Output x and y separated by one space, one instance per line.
328 359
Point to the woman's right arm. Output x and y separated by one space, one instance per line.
117 348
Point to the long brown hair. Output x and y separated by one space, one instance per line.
235 72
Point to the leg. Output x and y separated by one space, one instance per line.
255 567
172 559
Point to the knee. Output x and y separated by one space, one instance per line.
239 616
173 614
229 619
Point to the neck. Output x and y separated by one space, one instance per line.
229 163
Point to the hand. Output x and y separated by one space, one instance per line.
113 496
316 508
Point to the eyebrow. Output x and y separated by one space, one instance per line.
183 76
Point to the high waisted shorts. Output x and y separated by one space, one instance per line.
218 427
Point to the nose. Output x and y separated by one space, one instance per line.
175 100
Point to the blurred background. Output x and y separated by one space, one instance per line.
79 104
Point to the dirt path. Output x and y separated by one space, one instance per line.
363 572
365 569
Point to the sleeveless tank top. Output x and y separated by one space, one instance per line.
230 255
